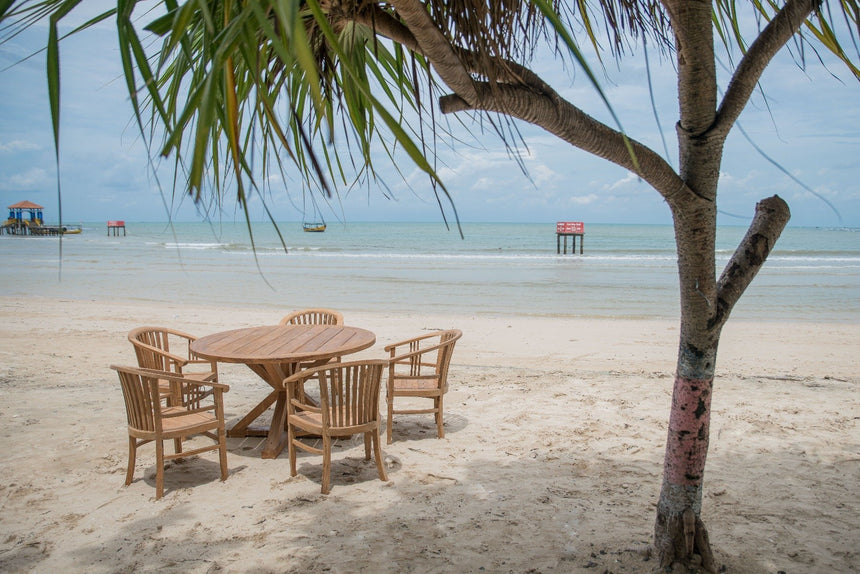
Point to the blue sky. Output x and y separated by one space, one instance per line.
810 124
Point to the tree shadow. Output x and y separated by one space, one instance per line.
543 512
539 495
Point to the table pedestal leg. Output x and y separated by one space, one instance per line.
276 436
240 429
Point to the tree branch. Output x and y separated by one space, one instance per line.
574 126
774 36
382 22
697 76
502 71
771 216
513 89
436 48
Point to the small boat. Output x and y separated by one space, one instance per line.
315 227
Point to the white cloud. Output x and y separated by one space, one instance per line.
543 174
33 179
584 199
18 145
623 182
484 183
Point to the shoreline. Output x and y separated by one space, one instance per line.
785 348
502 270
552 458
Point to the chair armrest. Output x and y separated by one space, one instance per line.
388 348
173 358
220 386
301 376
174 377
309 407
417 352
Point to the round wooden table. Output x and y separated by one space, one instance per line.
275 352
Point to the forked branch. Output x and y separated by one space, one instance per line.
771 216
774 36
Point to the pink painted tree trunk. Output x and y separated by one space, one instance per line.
680 532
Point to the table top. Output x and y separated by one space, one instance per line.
283 343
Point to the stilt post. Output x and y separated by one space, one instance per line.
572 229
115 226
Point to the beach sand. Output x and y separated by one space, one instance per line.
551 462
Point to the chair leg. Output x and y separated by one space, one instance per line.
291 444
326 472
376 448
440 429
366 446
389 422
159 468
222 451
132 454
177 445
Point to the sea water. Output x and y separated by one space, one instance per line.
494 269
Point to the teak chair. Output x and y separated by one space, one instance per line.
348 405
200 413
164 349
418 367
313 317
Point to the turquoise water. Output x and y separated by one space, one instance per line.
497 269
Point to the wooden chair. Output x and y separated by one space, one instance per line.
200 413
163 349
349 404
418 367
313 317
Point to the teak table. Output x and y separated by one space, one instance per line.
274 353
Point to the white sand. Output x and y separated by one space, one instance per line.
551 463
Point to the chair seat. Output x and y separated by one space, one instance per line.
426 385
311 422
178 424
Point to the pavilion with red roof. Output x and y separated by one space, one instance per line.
25 218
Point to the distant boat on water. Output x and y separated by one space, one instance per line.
315 227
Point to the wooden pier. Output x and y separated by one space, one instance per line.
25 218
572 229
115 226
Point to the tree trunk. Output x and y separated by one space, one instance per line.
680 535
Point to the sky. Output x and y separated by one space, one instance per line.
807 121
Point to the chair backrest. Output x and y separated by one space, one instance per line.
313 317
140 391
420 356
152 345
447 340
349 392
